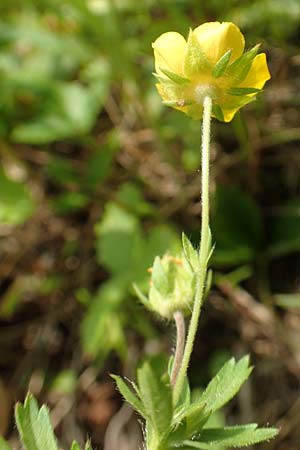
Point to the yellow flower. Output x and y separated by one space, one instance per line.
211 62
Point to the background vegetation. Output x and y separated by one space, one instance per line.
97 177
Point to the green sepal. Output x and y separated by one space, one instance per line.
178 79
239 69
208 283
218 113
159 277
144 300
190 253
178 103
195 60
222 64
75 446
242 91
129 396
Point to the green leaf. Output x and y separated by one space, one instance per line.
129 396
195 59
236 436
242 91
104 321
236 226
157 398
288 301
222 64
175 77
16 203
284 230
119 243
190 253
239 69
34 425
75 446
4 445
225 385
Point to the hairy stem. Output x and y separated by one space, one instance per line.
203 252
180 341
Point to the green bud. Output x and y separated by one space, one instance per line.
172 286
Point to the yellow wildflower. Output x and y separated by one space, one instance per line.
211 62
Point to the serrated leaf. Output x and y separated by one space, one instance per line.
190 253
175 77
129 396
240 68
195 59
222 64
34 425
157 398
242 91
4 445
226 383
236 436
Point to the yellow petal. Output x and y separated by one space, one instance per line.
169 52
229 114
258 73
217 38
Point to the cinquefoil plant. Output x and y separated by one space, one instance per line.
209 75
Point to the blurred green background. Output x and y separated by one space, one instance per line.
97 177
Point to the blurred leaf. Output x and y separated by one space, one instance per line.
70 202
99 165
4 445
122 247
102 329
119 240
131 197
236 227
288 301
72 112
61 171
16 203
65 382
284 231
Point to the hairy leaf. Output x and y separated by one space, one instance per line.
129 396
236 436
34 425
157 398
226 383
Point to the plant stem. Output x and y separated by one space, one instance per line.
180 341
203 252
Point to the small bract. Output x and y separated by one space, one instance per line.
211 62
